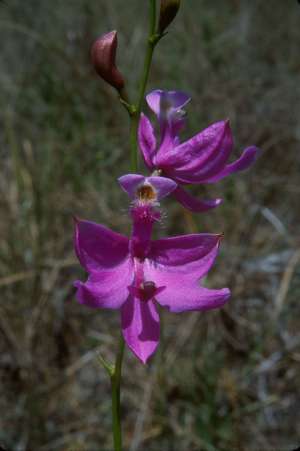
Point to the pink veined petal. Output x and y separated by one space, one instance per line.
130 183
247 158
170 129
180 292
193 204
175 265
181 251
205 153
209 148
147 141
108 288
97 247
140 325
162 185
189 258
180 296
169 141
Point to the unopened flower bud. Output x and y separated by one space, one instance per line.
168 11
103 56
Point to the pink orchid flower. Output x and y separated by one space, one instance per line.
199 160
137 275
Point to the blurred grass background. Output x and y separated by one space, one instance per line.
225 380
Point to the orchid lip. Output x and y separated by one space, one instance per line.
147 189
146 193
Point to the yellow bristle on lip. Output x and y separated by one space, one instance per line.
146 192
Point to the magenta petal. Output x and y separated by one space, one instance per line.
247 158
147 141
153 100
176 264
106 289
177 99
193 204
97 247
198 248
130 183
181 297
189 257
162 185
203 154
173 99
140 324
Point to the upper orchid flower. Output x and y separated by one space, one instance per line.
201 159
136 274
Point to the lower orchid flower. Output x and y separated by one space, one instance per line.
201 159
137 274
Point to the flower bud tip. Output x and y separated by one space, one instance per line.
168 12
103 57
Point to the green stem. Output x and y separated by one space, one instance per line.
153 39
134 113
116 389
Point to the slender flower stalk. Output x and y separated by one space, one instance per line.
153 39
134 113
115 379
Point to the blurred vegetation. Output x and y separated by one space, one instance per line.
226 380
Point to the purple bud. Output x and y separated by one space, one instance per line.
103 57
168 12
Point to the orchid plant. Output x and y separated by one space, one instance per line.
136 274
